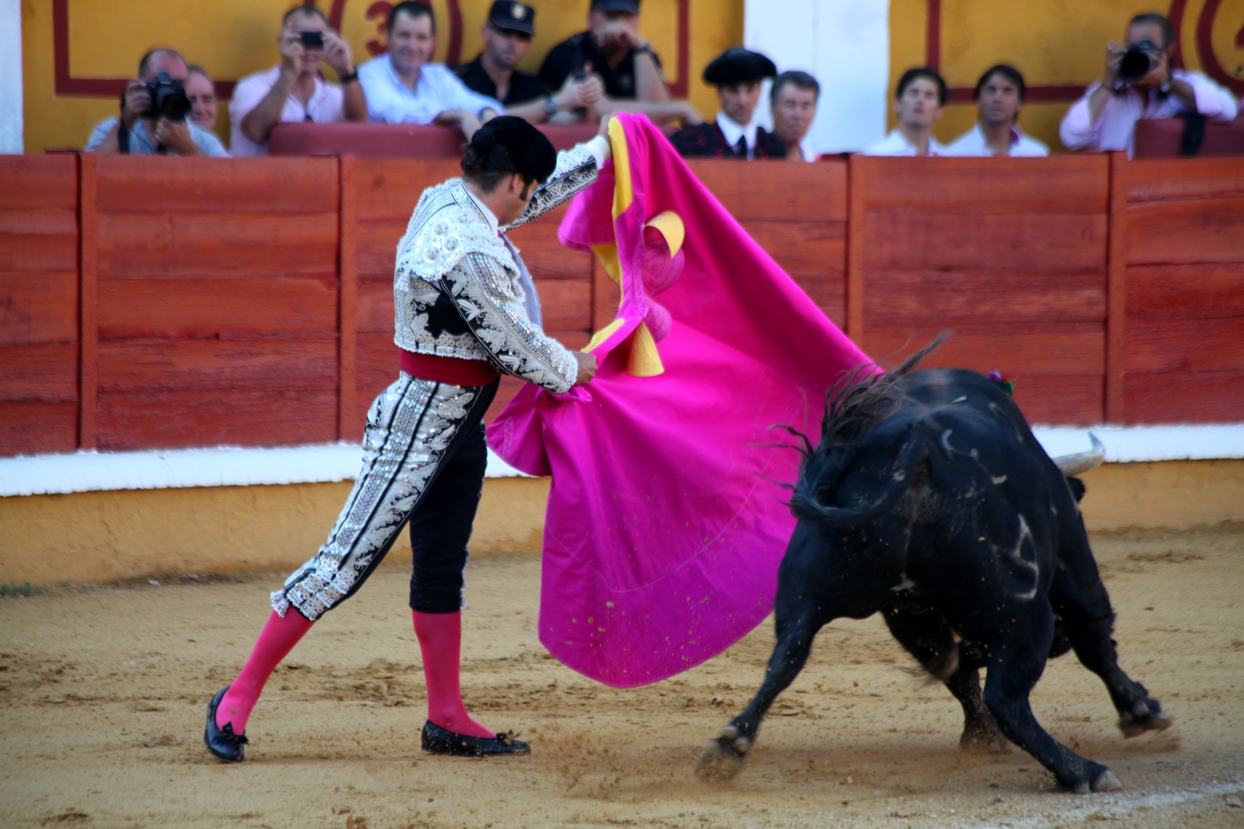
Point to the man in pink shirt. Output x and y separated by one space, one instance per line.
293 90
1105 118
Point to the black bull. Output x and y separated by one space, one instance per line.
930 501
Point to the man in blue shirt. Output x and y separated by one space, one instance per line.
141 130
402 87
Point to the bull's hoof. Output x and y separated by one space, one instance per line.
724 756
1146 715
1106 782
984 741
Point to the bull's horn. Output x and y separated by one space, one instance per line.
1078 464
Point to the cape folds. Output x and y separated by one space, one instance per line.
666 520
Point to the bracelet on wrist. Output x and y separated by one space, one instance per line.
353 76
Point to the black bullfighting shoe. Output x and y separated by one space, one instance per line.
222 742
437 740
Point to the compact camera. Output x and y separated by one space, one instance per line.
168 98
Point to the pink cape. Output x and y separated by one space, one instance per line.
666 521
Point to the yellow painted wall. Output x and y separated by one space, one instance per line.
1052 42
232 38
99 537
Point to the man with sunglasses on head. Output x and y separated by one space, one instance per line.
495 73
293 90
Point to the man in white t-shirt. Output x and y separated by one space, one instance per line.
999 97
405 87
918 102
293 90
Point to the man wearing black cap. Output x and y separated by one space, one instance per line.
737 74
507 38
613 49
466 312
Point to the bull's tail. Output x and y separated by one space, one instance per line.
807 506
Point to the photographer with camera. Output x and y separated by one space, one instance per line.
153 114
294 90
1140 83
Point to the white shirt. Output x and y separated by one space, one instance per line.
896 144
734 131
325 106
141 143
974 143
1116 125
806 151
389 101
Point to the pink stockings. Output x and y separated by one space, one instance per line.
278 638
440 641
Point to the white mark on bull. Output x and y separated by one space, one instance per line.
946 440
974 454
900 475
1001 479
905 584
959 399
1017 555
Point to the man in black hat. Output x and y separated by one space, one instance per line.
495 73
737 74
466 312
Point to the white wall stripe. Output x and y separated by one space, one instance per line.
235 466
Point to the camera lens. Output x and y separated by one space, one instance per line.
1135 65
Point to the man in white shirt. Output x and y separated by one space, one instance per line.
737 74
404 88
999 97
1140 83
294 90
792 102
918 101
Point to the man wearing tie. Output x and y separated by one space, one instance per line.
737 74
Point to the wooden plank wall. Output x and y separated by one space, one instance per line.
1184 330
186 302
38 304
217 302
1013 263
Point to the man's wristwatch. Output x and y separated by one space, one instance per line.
353 76
550 106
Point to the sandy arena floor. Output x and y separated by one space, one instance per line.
103 693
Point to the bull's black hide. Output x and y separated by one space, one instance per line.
930 501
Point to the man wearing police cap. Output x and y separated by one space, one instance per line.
507 38
737 74
466 313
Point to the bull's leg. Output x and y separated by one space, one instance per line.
928 637
724 756
1081 600
1011 677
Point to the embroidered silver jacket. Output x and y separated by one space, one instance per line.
461 290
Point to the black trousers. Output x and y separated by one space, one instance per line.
423 464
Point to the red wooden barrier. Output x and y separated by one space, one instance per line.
217 301
1185 291
1162 137
180 302
38 304
1011 258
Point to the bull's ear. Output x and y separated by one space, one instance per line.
1077 488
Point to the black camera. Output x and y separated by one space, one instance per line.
168 98
1138 61
312 40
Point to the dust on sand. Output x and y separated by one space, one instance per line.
104 689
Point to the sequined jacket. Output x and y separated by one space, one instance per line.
461 290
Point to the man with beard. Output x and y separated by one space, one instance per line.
999 96
737 74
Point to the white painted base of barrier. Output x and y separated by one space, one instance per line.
236 466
